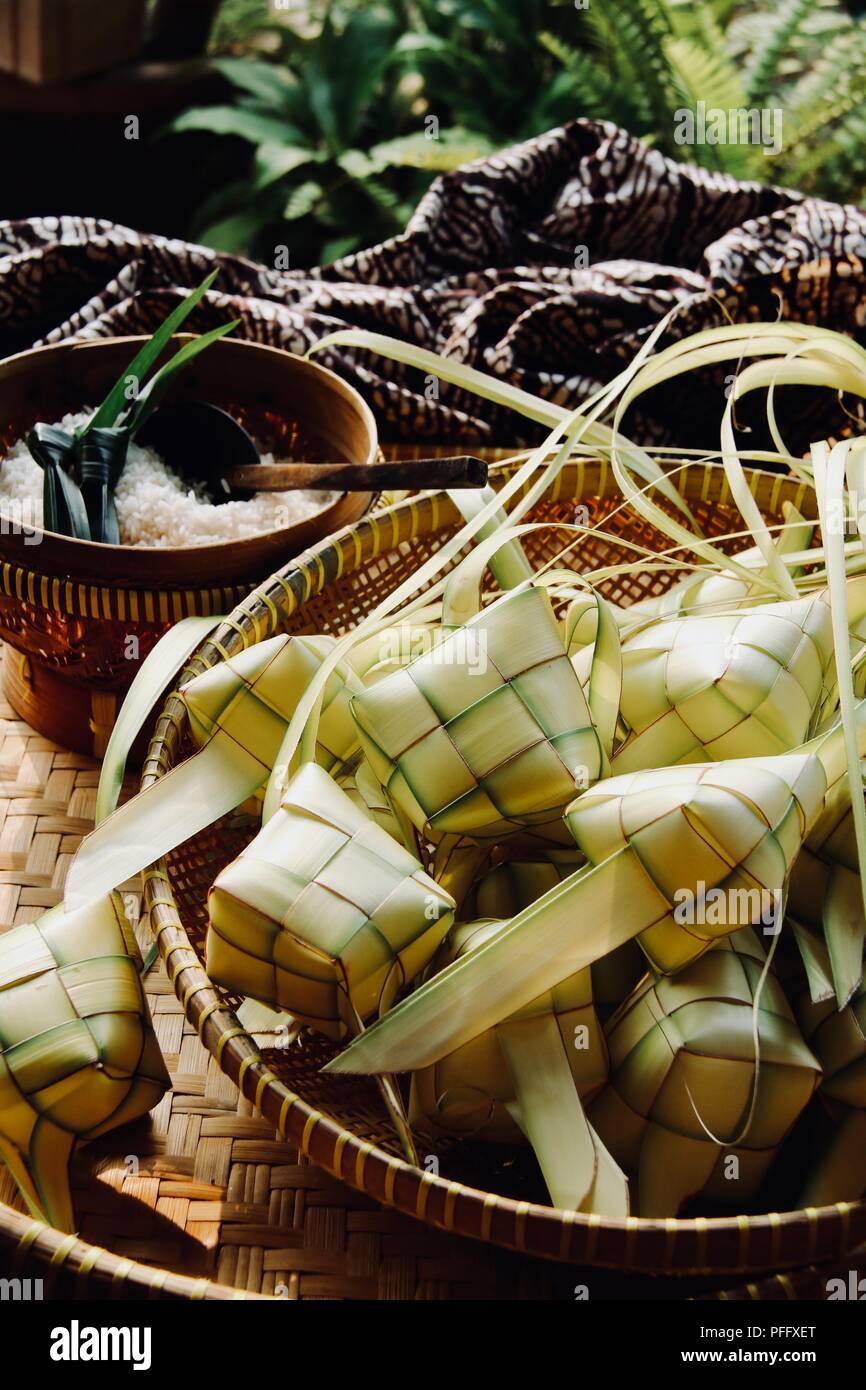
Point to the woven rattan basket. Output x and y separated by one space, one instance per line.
337 1121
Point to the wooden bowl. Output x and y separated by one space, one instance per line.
70 607
338 1120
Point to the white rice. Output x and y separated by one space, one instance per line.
155 507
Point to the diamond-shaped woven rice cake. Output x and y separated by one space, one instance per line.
487 733
323 914
251 697
721 686
78 1055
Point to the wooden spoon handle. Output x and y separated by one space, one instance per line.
410 475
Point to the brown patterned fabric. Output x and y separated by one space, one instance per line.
547 265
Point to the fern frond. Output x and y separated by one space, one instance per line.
710 77
595 89
779 33
696 20
631 35
834 133
838 70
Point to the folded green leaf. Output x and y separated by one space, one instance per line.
101 456
63 508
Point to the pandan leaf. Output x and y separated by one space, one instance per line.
100 459
63 508
150 397
116 401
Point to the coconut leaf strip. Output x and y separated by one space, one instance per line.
540 947
552 1117
159 667
845 936
191 796
510 565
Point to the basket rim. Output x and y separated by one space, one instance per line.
674 1246
32 1249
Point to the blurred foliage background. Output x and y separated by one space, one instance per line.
340 113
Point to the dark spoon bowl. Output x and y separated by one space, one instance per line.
202 443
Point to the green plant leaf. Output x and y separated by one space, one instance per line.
236 120
236 233
454 146
155 389
762 72
274 160
265 81
342 69
302 200
116 401
699 75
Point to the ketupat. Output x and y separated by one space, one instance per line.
654 840
529 1076
690 1107
490 732
740 683
323 914
729 685
78 1055
238 713
250 698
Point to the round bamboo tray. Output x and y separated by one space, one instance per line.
82 615
337 1121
